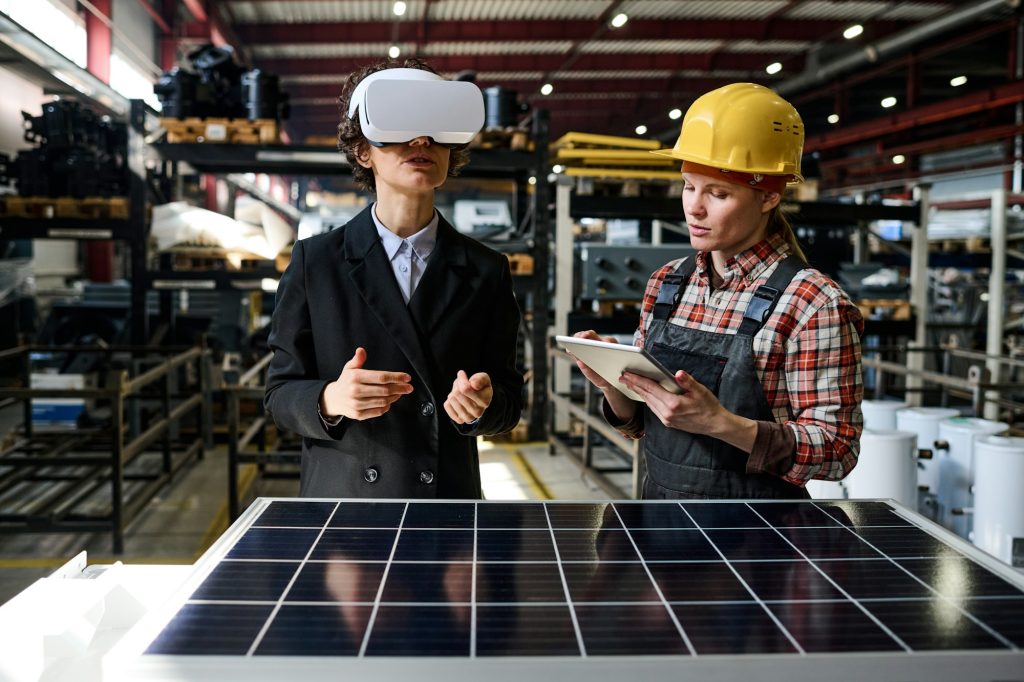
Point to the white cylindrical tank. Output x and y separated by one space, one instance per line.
887 467
924 421
826 490
998 502
956 468
880 415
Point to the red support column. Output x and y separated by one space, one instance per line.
99 255
99 42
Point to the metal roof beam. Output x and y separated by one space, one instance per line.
552 63
575 30
993 98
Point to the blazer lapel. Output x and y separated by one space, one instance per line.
446 273
372 277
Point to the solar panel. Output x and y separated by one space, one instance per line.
411 589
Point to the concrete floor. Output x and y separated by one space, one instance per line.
178 526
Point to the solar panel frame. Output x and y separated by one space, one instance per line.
594 622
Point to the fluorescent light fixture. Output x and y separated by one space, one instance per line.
557 168
399 8
394 51
888 102
773 68
547 89
675 113
898 159
853 31
641 130
958 81
833 118
620 20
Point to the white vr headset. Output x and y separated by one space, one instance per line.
398 105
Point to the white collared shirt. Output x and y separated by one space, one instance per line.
408 256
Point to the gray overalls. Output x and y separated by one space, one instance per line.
686 465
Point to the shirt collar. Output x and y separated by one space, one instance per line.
422 242
751 263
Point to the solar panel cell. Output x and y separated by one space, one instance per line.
337 582
324 630
732 629
314 514
246 581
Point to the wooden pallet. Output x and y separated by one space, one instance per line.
520 263
87 208
502 138
965 244
609 308
216 130
885 308
193 258
322 140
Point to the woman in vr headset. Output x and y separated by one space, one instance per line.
765 349
394 336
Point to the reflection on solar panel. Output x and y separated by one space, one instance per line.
466 583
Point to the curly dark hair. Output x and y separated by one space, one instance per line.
350 135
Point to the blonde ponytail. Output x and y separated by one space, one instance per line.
778 222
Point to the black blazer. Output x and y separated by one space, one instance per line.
339 293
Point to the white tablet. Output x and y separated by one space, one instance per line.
610 360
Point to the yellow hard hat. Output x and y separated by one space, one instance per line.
742 127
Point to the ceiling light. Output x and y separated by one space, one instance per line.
620 20
898 159
773 68
853 31
532 180
547 89
641 130
674 114
557 168
394 51
833 118
958 81
888 102
399 8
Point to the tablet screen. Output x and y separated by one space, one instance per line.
610 360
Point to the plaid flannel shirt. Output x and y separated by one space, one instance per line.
807 355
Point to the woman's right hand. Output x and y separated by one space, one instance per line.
592 376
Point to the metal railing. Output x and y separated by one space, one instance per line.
251 386
52 481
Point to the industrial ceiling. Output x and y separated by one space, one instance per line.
950 67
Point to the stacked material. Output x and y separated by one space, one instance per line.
607 156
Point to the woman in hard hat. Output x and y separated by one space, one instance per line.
765 349
394 336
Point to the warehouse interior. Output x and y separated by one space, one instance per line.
160 159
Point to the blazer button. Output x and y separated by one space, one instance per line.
426 477
370 475
427 409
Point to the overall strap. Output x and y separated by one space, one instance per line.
763 302
672 288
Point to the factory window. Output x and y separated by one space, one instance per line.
53 23
131 81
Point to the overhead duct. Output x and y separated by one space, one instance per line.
887 47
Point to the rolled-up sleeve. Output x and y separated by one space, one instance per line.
824 382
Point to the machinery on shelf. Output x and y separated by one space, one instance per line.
77 154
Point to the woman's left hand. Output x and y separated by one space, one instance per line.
695 410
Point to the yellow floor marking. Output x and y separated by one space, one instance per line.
533 482
247 476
